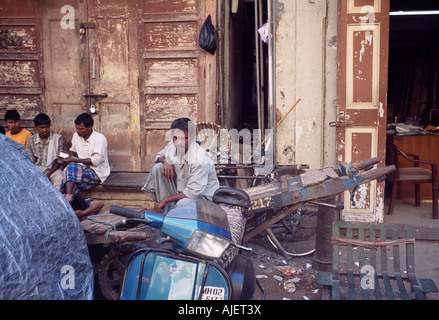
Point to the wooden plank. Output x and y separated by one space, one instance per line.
312 177
410 265
101 223
383 255
373 261
335 266
362 262
416 287
396 257
410 251
295 184
336 293
350 266
397 267
115 237
402 289
273 196
330 172
351 285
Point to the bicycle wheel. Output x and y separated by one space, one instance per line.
295 233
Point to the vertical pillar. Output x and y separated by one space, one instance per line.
328 211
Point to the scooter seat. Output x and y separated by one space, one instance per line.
232 196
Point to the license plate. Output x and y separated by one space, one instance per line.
213 293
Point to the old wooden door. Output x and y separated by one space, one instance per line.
21 71
65 64
90 54
362 90
136 62
113 73
177 78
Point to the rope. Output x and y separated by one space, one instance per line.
378 243
113 226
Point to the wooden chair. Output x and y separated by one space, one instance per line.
411 175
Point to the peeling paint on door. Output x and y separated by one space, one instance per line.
363 47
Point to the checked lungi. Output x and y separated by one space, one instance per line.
84 177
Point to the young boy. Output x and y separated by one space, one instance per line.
16 132
43 149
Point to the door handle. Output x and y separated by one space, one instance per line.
96 95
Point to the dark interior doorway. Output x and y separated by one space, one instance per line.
413 64
251 59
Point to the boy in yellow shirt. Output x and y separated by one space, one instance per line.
16 132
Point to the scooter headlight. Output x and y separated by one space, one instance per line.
207 244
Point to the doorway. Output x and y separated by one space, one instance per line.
246 56
413 63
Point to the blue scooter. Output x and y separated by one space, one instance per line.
199 236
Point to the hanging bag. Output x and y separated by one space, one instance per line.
206 39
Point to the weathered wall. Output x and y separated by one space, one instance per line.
306 69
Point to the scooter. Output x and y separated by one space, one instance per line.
198 236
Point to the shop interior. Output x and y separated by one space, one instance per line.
413 95
413 84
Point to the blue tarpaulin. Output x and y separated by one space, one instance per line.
43 251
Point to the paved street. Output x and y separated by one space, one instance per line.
270 267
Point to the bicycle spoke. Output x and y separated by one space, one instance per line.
293 235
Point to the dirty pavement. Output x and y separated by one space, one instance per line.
295 278
284 279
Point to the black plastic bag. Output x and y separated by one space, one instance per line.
206 39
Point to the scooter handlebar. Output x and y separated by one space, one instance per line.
129 213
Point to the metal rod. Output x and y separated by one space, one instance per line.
258 74
93 75
277 243
240 177
338 204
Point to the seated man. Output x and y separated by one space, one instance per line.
87 159
183 171
16 132
43 149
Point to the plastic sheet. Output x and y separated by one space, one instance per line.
43 251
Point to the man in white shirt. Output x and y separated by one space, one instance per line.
183 171
87 159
